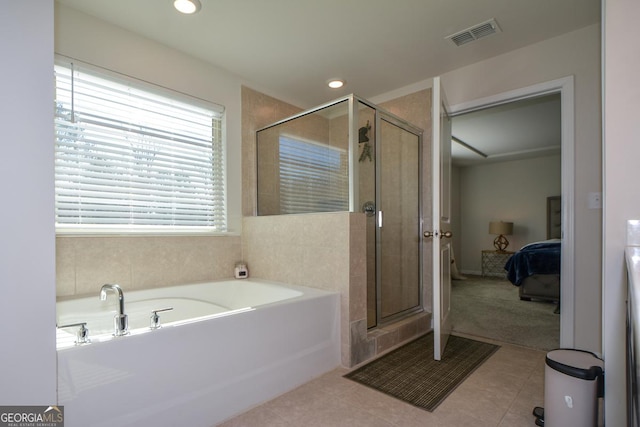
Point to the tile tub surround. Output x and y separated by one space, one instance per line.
326 251
84 264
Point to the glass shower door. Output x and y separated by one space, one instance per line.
398 220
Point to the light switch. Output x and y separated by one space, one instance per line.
595 200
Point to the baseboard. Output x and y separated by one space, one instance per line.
471 272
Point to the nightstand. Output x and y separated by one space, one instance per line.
493 262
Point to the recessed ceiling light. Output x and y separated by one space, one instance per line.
187 6
335 83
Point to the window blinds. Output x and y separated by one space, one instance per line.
313 177
129 158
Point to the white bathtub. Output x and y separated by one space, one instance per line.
225 347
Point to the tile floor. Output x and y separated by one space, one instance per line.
500 393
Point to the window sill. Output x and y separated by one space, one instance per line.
140 233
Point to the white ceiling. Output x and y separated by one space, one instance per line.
518 130
290 48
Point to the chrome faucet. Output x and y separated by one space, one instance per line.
121 323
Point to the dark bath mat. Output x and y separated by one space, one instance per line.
409 373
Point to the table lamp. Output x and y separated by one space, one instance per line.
501 229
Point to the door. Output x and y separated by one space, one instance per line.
441 227
398 219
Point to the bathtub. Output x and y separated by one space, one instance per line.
225 347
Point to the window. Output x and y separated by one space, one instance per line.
130 156
313 177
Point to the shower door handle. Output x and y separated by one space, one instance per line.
369 208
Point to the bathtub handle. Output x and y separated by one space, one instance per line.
155 319
82 334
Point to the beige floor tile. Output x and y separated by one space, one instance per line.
459 419
387 408
310 406
484 405
261 416
500 393
517 420
524 403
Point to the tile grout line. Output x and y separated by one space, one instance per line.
532 373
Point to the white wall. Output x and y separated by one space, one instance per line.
83 37
141 262
27 248
514 191
578 54
621 62
574 54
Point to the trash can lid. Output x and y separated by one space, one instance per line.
576 363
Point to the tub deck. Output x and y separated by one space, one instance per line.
204 371
188 303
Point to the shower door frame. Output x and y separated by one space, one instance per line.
354 199
383 115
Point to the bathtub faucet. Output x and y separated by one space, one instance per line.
121 323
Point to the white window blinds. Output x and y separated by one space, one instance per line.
129 158
313 177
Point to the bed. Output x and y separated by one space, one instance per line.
535 269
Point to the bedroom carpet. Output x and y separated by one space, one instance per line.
409 373
491 308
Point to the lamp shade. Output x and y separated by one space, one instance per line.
504 228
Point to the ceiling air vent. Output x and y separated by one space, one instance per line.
474 33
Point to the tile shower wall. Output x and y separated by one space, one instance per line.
327 251
311 127
83 264
321 250
316 250
366 191
258 110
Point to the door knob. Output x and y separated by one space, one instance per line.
429 234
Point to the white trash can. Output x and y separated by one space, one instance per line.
573 382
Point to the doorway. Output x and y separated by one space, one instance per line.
563 88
